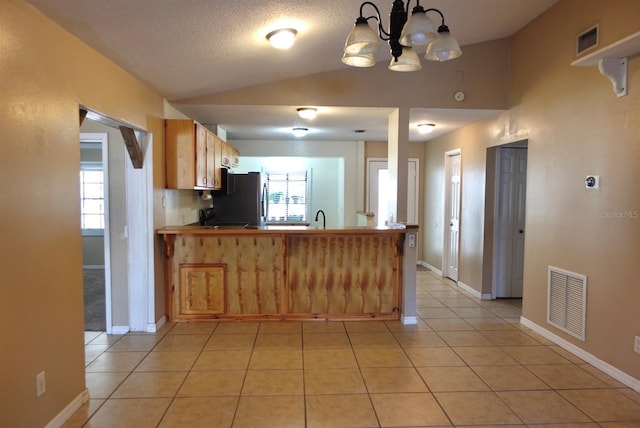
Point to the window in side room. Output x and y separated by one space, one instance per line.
288 197
92 198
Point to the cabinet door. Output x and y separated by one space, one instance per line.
180 153
226 155
217 182
201 156
211 159
202 289
235 157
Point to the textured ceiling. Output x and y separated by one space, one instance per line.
190 48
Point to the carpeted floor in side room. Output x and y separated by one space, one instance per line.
94 300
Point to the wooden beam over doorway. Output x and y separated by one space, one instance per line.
133 146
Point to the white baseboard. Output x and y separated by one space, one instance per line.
119 329
89 267
152 328
612 371
431 268
408 320
475 293
68 411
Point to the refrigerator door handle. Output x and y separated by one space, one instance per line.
265 202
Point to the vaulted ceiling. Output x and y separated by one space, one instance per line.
194 48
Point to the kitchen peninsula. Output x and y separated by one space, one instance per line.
285 273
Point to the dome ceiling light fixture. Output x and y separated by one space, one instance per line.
282 38
300 131
406 34
307 112
426 128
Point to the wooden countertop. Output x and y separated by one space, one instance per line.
288 230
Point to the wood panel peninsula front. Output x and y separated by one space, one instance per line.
284 273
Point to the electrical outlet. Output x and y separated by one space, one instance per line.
636 346
41 384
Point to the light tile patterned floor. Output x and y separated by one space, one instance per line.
467 363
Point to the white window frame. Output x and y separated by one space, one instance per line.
93 166
288 198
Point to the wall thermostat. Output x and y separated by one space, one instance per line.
459 96
592 181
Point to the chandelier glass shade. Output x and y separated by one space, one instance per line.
405 35
362 39
364 60
444 48
408 61
419 29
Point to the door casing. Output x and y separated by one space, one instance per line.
374 165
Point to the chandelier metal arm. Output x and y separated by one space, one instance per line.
439 13
381 31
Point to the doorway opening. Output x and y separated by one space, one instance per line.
128 228
510 187
94 195
378 182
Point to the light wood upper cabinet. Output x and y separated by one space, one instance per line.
201 156
235 157
217 141
230 156
180 153
226 155
210 176
195 155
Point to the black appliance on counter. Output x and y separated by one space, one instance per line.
239 203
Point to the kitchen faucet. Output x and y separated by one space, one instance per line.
324 220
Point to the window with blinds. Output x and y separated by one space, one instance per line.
288 200
92 197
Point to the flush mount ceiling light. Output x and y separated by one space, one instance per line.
300 132
426 128
406 33
307 112
282 38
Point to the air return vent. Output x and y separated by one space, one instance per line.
567 301
587 40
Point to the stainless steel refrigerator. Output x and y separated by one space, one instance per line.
240 201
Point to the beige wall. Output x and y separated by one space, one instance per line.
485 67
575 126
46 73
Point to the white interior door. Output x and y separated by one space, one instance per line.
510 220
378 184
451 253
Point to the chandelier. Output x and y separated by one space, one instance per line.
404 37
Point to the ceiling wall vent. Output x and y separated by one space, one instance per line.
587 40
567 301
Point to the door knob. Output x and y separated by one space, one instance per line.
521 231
